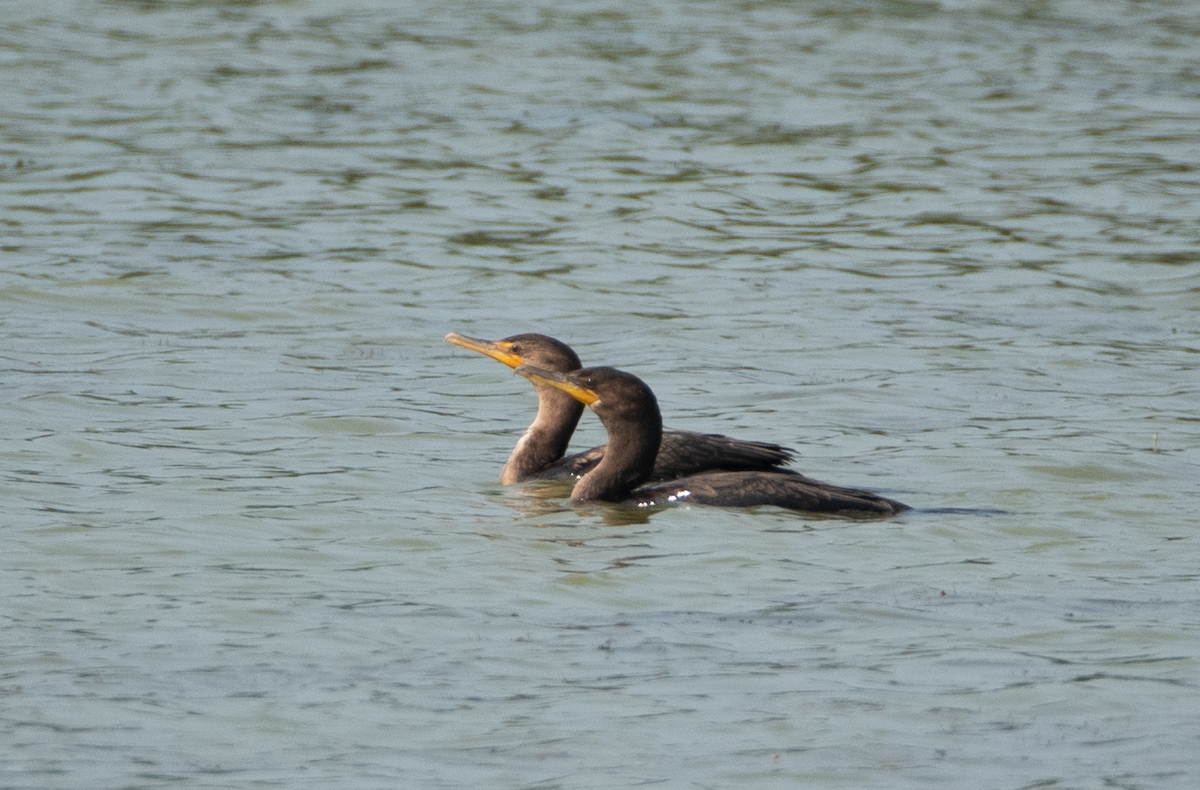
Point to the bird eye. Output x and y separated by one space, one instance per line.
515 348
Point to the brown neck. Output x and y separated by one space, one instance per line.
633 441
545 440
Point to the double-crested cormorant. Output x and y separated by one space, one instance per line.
630 414
539 452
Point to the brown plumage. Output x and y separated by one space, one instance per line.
539 454
630 414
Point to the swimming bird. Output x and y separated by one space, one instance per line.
540 453
631 417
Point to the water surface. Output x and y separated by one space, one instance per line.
947 251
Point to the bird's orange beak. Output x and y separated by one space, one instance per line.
499 350
560 381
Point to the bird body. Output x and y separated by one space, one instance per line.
631 417
783 488
540 453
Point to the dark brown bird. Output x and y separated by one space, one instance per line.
539 454
630 414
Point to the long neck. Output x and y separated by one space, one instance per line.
545 440
628 461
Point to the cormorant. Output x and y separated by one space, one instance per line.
630 414
539 452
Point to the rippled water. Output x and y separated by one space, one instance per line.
949 251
